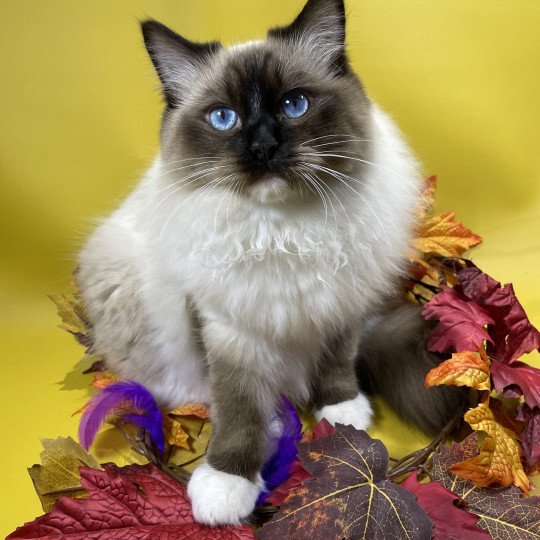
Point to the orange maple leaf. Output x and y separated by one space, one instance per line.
499 460
444 236
468 368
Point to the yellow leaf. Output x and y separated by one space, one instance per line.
199 432
174 433
499 460
72 320
58 473
191 409
444 236
466 368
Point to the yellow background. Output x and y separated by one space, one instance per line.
79 115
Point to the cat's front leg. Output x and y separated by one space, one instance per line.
225 489
336 395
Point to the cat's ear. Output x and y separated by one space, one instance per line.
176 59
319 29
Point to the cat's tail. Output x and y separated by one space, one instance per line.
393 362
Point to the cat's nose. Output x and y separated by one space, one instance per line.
263 146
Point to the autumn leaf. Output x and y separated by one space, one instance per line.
519 378
199 432
350 496
191 409
444 236
503 512
461 322
499 460
102 379
512 334
73 318
442 507
466 368
58 473
174 432
135 502
427 197
531 436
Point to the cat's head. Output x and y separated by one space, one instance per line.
269 120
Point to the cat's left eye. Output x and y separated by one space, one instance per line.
294 104
223 118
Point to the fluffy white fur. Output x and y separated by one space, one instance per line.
271 279
218 497
357 412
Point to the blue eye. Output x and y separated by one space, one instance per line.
294 104
223 118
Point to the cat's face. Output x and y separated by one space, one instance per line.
271 119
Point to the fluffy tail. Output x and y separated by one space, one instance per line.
393 361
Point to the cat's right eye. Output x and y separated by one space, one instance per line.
223 118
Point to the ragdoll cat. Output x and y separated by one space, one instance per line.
261 248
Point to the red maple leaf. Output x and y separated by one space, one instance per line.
461 322
512 334
442 507
531 437
517 376
135 502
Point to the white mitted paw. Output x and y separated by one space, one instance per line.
356 412
219 498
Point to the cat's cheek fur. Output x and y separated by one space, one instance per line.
356 412
220 498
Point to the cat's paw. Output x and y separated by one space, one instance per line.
356 412
220 498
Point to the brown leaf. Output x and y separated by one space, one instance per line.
191 409
466 368
174 433
503 512
350 496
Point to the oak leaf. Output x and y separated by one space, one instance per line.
444 236
442 507
503 512
350 496
467 368
499 460
135 502
461 322
58 473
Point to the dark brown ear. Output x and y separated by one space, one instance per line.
320 30
176 59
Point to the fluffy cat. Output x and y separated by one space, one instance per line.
271 226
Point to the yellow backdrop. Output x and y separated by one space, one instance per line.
79 112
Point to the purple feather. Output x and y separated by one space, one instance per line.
278 468
129 400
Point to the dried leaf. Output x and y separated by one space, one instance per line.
102 379
67 310
350 496
199 432
135 502
444 236
174 433
501 511
58 473
442 507
427 197
466 368
461 322
191 409
499 460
